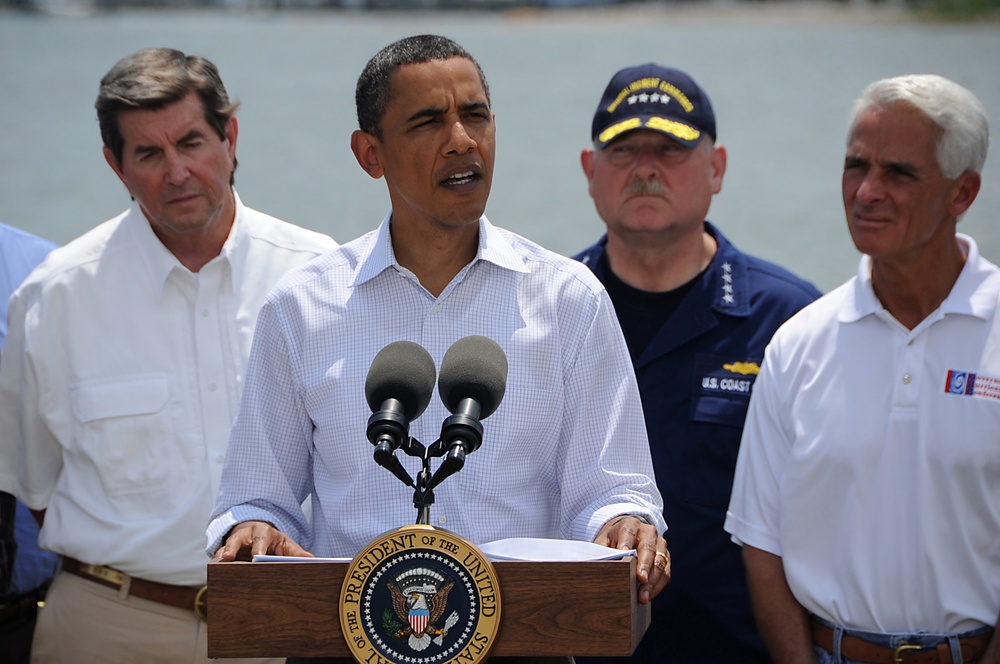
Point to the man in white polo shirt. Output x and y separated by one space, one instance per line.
867 492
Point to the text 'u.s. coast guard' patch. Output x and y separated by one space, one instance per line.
719 375
420 595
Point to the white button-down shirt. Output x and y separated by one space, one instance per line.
120 381
565 451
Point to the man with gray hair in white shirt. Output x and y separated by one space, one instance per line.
867 492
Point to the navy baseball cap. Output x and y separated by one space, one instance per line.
653 97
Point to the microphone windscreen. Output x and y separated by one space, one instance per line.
473 368
404 371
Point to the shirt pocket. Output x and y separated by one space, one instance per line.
710 460
727 410
124 431
719 402
721 393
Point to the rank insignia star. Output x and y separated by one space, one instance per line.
727 283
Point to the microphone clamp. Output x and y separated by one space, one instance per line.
388 430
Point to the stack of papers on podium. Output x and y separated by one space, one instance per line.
261 558
550 550
515 548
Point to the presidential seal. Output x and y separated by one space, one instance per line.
420 595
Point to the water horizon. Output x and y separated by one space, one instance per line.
781 76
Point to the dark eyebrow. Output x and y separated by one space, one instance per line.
150 149
424 113
475 106
437 112
194 133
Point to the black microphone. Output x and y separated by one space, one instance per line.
472 383
398 389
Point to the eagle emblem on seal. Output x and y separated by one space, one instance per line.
419 599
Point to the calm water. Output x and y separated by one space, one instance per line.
782 81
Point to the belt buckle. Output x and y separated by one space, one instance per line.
104 573
897 654
201 604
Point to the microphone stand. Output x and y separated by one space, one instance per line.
423 497
461 433
423 487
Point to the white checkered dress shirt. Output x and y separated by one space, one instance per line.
565 451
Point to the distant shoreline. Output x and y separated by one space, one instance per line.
580 12
768 12
732 11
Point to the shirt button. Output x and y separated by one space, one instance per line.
906 379
442 520
204 313
212 387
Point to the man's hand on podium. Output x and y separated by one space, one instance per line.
653 560
251 538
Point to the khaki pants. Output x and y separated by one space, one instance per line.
85 622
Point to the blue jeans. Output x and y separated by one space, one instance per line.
891 641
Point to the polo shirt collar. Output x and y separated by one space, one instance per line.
493 248
966 297
160 263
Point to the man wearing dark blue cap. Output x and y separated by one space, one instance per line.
696 313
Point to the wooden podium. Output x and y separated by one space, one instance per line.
289 609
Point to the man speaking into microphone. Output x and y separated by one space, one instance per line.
564 455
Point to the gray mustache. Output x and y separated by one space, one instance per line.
645 187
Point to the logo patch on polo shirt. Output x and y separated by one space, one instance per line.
966 383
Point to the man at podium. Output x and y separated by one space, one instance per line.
565 455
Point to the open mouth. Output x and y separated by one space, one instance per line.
458 179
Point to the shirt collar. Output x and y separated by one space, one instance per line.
160 263
724 282
966 297
493 248
726 277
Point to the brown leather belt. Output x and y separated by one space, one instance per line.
183 597
851 647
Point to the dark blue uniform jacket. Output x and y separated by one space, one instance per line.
695 378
